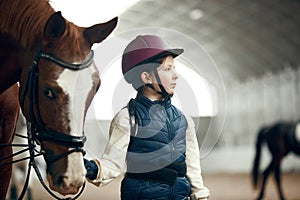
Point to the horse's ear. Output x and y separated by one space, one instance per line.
55 26
99 32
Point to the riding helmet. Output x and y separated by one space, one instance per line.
143 49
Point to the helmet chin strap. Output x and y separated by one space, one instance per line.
165 95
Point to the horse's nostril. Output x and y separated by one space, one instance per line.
65 182
62 180
65 186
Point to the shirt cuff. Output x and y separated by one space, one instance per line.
202 194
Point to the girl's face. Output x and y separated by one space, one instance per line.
167 74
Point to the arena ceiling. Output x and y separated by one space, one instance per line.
246 38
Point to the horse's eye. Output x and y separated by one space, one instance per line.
49 93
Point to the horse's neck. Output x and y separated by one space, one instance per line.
24 21
10 68
21 28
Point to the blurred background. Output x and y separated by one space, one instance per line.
250 64
255 48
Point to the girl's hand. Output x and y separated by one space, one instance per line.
91 169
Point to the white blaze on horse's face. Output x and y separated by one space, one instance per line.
78 86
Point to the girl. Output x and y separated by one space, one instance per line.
151 139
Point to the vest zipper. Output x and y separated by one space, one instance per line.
171 135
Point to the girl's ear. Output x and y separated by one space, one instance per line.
146 78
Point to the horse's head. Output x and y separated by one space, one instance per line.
56 93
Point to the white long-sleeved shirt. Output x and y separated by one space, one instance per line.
113 161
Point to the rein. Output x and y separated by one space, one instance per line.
35 128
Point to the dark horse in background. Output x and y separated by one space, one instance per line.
281 139
52 60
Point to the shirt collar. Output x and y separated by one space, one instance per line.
148 102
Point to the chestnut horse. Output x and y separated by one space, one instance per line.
52 60
282 138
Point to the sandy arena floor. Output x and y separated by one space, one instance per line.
222 187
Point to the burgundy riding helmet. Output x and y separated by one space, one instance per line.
145 48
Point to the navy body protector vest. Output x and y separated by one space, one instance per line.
157 144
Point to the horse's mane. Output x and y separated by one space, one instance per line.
24 20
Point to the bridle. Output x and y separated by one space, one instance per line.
35 127
31 88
